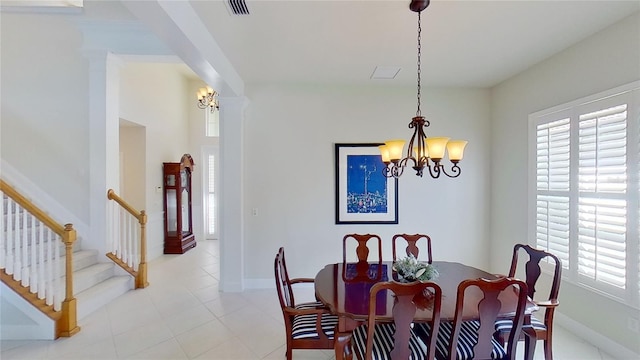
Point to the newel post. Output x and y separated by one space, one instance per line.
141 279
67 325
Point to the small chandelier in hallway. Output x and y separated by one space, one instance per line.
422 150
208 98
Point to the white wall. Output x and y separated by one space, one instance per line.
289 140
606 60
44 112
153 96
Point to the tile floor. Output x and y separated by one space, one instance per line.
181 315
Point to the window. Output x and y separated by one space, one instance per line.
584 195
212 120
211 201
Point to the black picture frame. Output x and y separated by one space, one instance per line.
363 195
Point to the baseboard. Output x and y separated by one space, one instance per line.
595 338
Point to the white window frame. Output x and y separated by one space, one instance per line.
630 295
211 151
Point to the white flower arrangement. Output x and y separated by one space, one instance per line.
409 269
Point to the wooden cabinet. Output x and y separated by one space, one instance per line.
178 214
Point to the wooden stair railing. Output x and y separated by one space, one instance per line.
30 260
126 241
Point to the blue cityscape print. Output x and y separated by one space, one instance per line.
366 186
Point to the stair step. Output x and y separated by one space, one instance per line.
92 275
83 259
102 293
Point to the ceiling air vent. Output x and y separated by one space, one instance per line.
238 7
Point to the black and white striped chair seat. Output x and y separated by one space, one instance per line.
383 342
507 324
467 339
304 326
310 305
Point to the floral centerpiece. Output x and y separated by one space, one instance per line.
409 269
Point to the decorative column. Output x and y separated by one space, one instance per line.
231 193
104 91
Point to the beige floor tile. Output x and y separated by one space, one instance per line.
104 349
28 350
204 338
188 319
141 338
229 350
227 304
166 350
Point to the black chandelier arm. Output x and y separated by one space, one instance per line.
392 170
455 170
439 169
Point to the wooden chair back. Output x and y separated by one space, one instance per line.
412 245
283 283
489 308
532 268
532 271
317 319
408 298
365 269
362 249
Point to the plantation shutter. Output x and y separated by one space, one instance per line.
584 192
602 206
552 200
211 196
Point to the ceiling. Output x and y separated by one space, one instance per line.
464 43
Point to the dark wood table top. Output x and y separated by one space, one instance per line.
347 295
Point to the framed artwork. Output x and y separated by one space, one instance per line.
363 194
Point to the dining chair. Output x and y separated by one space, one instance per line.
308 325
362 249
378 339
412 245
463 339
364 269
532 271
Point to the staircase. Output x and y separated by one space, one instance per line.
96 284
96 279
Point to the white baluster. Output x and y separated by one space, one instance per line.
118 240
33 268
57 300
24 265
110 225
3 237
10 240
17 256
136 245
49 290
129 239
41 278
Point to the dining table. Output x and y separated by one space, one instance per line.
344 289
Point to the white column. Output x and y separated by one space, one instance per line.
231 193
104 92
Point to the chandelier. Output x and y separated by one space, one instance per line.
422 151
208 98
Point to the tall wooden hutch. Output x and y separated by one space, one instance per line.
178 214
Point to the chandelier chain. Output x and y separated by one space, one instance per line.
422 151
418 112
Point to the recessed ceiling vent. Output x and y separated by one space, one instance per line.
238 7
